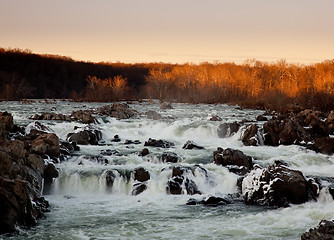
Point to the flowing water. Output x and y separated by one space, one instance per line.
83 207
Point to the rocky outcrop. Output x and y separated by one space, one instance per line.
250 136
85 137
181 181
191 145
158 143
117 110
277 185
231 157
47 143
80 116
227 129
324 231
83 116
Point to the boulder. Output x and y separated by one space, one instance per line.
118 110
261 118
324 231
215 118
158 143
232 157
47 143
141 174
109 152
169 157
191 145
116 139
144 152
85 137
250 137
83 116
50 172
277 185
166 105
323 145
153 115
227 129
138 188
6 123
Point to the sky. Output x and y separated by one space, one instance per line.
173 31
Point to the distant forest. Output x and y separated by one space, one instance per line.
253 83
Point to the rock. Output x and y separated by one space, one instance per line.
158 143
6 124
166 106
67 148
212 201
144 152
153 115
51 116
250 137
261 118
191 145
110 178
227 129
47 143
181 181
118 110
141 174
36 128
116 139
232 157
50 172
324 231
323 145
169 157
17 149
85 137
127 142
276 185
215 118
330 122
109 152
138 188
83 116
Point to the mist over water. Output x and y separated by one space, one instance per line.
83 207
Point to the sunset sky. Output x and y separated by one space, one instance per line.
175 31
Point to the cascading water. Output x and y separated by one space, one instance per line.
93 196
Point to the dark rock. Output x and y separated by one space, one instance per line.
127 142
261 118
191 145
180 181
170 157
47 143
153 115
324 231
83 116
118 110
50 172
330 122
166 106
158 143
227 129
215 118
276 185
97 159
250 137
116 139
141 174
232 157
138 188
109 152
212 201
144 152
323 145
110 179
6 123
85 137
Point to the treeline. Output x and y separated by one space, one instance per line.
253 83
27 75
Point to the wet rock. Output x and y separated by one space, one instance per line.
250 137
6 124
276 185
118 110
116 139
261 118
67 148
212 201
83 116
181 181
46 144
324 231
141 174
51 116
97 159
323 145
109 152
169 157
50 172
138 188
36 128
17 149
127 142
158 143
232 157
227 129
85 137
153 115
166 105
144 152
191 145
110 179
215 118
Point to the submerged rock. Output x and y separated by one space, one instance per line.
324 231
158 143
